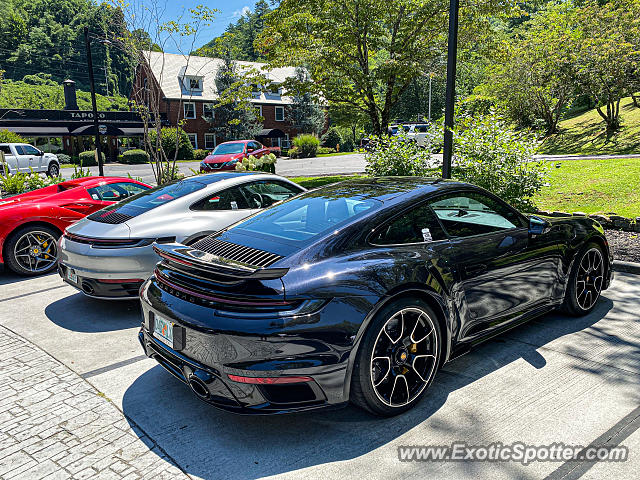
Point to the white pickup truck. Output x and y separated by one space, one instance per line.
21 157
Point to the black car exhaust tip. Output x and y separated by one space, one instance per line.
88 288
198 387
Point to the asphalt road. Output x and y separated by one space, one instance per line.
335 165
557 379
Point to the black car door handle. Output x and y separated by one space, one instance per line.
476 269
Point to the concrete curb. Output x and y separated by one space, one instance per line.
627 267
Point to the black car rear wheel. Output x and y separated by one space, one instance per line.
32 250
398 358
585 281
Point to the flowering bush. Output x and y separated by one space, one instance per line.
397 155
266 163
491 154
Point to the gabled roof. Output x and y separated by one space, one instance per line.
169 68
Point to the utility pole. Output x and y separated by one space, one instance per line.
430 78
452 51
87 43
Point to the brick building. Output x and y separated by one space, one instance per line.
186 90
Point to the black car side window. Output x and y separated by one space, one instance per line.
229 199
468 214
416 226
264 193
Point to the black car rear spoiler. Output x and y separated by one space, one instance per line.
193 259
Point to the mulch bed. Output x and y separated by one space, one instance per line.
625 245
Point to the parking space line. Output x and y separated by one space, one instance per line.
113 366
572 470
31 293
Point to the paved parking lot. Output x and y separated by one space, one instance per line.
333 165
557 379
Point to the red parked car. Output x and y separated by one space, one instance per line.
31 223
227 154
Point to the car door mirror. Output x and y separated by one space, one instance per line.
538 226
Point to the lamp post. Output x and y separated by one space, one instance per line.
452 50
94 106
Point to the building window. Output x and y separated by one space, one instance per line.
193 138
208 111
279 114
194 84
209 141
274 89
189 110
259 111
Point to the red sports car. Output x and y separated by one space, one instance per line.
31 223
227 154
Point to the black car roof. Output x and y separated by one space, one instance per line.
387 188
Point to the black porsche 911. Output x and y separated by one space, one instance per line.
360 291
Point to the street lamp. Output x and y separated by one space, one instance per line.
87 43
452 50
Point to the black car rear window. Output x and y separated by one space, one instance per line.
154 197
302 218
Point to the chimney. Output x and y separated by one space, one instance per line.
70 101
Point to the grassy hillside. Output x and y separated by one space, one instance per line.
594 186
585 134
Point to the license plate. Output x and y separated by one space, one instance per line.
163 330
71 276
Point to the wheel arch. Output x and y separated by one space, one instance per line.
434 299
41 223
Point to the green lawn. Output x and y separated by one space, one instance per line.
585 134
594 186
337 154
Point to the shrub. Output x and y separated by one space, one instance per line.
168 143
135 157
200 154
88 158
307 144
266 163
294 152
9 137
332 138
347 145
64 159
325 150
396 156
492 155
13 184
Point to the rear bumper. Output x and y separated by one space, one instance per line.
94 288
212 347
92 265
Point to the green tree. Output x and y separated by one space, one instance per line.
305 113
236 117
240 37
533 73
605 53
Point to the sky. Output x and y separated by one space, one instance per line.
229 11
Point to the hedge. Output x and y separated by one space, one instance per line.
88 158
135 157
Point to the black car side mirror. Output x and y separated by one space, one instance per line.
538 226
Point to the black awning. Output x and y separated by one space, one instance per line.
270 133
43 131
104 129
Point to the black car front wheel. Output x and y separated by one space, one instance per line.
585 281
398 358
54 170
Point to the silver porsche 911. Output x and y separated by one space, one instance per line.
109 253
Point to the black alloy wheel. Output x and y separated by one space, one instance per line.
398 358
585 281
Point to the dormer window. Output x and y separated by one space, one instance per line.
194 84
274 89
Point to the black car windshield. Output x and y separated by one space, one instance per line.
154 197
227 148
302 218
